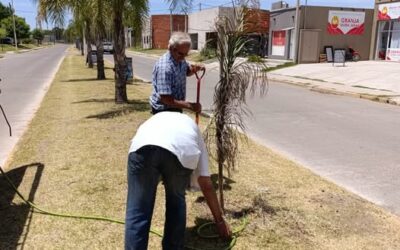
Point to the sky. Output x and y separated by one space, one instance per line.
27 8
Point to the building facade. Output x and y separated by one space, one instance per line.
319 28
156 30
385 41
202 28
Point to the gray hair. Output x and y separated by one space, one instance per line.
178 38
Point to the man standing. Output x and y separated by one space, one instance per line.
169 145
169 77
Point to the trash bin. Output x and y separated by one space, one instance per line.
129 69
93 54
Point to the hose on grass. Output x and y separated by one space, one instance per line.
37 209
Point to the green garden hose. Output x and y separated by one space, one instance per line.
37 209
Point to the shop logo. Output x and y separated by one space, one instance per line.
384 11
335 22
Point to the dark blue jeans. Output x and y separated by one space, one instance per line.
145 166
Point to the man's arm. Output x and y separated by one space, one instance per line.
170 101
209 194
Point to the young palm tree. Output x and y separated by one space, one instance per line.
236 77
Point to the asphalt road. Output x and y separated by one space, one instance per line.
25 80
353 142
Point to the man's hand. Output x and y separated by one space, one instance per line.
195 107
197 67
224 230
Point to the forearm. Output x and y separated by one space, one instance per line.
176 103
211 198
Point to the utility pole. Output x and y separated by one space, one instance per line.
200 6
15 33
296 32
170 21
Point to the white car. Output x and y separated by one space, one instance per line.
108 47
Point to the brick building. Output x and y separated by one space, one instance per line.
202 28
161 28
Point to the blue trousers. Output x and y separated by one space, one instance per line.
145 166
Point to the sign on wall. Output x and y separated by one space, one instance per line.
393 54
389 11
278 43
346 23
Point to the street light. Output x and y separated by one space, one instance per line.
15 33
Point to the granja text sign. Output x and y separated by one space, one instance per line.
389 11
346 23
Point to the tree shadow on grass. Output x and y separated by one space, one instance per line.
130 107
16 218
95 100
82 80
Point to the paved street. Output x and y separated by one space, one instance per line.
352 142
25 79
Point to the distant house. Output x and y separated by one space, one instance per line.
157 30
202 28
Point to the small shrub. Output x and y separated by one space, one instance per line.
28 41
208 53
254 59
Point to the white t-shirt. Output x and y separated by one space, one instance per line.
180 135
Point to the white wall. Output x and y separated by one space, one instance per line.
146 34
202 22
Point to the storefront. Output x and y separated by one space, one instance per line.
321 29
388 31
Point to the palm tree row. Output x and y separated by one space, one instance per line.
92 20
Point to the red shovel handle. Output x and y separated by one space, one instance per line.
198 90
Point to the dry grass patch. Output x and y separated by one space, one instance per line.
78 144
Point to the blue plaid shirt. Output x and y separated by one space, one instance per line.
169 78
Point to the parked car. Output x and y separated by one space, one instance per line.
7 40
108 47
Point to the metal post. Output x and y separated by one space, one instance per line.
296 32
15 33
170 21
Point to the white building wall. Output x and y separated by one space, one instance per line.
146 34
202 22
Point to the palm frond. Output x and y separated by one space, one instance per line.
237 76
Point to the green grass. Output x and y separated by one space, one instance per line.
158 52
7 47
81 138
285 65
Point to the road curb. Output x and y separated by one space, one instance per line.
393 100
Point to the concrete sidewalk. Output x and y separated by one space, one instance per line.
374 80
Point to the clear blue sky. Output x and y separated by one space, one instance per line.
27 10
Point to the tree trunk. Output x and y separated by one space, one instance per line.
81 47
119 53
89 46
100 59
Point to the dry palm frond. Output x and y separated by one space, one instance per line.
236 77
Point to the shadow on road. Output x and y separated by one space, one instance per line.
16 218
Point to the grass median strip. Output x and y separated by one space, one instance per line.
72 159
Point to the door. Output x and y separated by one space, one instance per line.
309 48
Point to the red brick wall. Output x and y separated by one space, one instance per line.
257 21
160 25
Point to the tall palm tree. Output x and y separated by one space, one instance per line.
236 76
118 7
